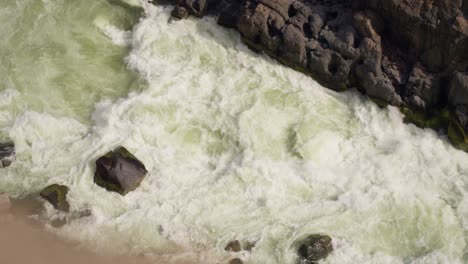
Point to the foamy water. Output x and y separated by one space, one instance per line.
237 147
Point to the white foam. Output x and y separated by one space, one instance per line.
239 147
6 100
118 36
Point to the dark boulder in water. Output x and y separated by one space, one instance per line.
248 245
314 248
57 196
119 171
7 154
237 246
233 246
179 12
236 261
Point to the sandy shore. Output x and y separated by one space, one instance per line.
24 242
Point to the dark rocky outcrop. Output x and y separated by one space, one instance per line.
314 248
57 196
412 54
458 97
119 171
7 154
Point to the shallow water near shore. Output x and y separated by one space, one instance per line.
236 145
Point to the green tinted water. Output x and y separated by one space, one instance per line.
236 146
56 59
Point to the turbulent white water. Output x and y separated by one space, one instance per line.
237 146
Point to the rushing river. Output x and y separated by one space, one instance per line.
236 145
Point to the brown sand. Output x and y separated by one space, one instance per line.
21 243
25 241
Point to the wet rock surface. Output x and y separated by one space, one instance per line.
7 153
233 246
179 12
236 261
238 246
248 245
410 54
119 171
57 196
314 248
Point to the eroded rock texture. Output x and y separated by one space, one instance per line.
408 53
7 154
57 196
315 248
119 171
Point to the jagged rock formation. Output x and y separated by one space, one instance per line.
7 154
179 12
412 54
119 171
57 196
314 248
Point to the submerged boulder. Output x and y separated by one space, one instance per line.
237 246
7 154
233 246
236 261
248 245
57 196
119 171
314 248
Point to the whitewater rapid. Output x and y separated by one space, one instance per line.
236 145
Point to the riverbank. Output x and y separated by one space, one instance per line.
25 240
